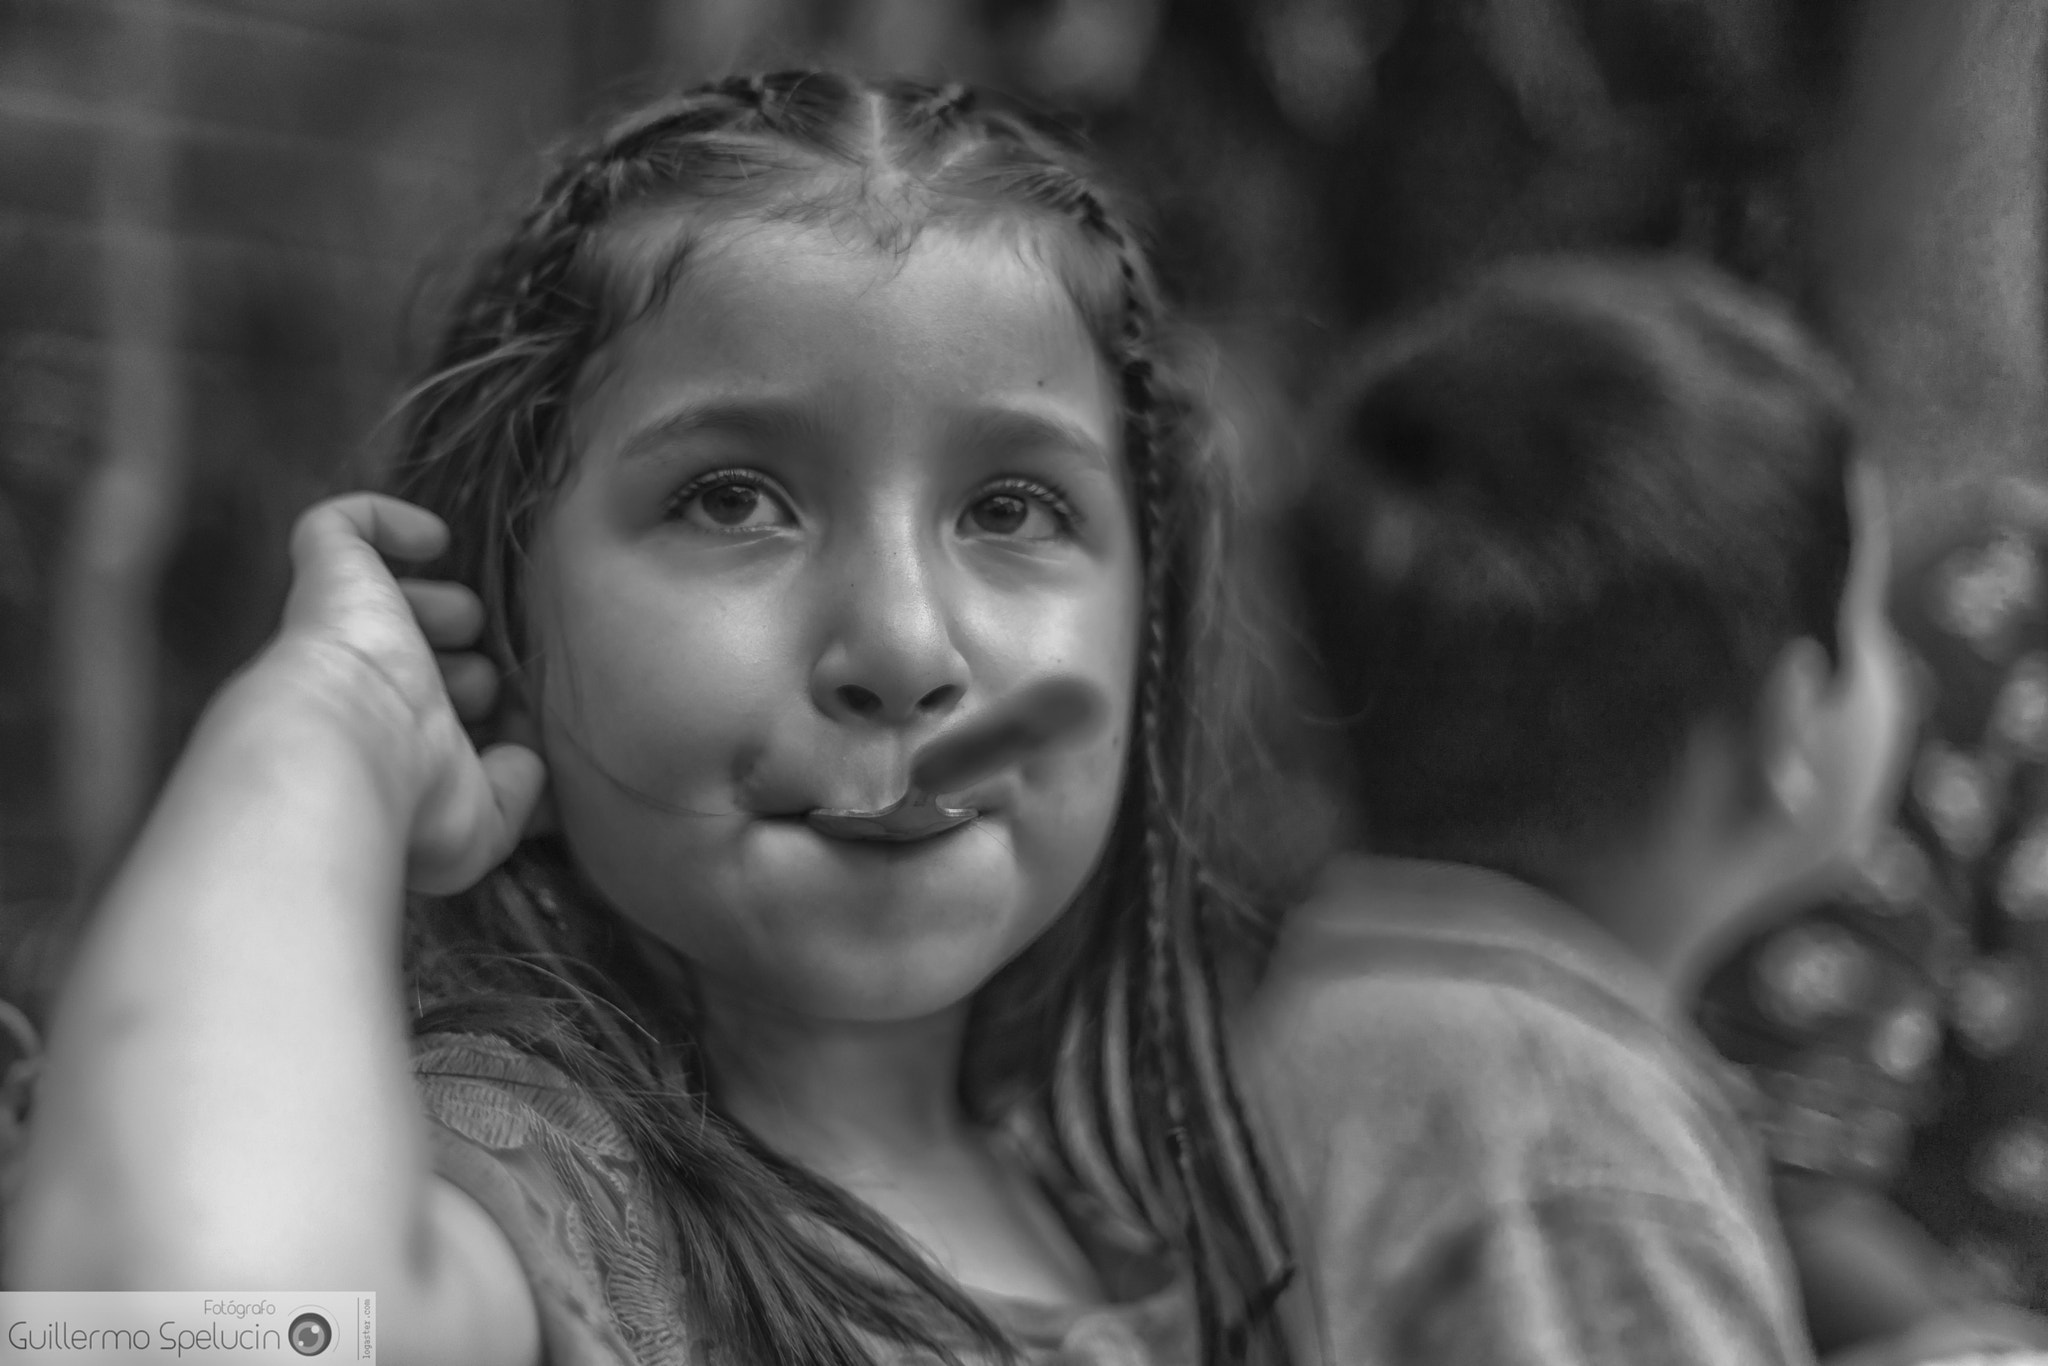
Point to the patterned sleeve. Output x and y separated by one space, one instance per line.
542 1158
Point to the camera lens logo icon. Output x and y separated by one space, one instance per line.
310 1334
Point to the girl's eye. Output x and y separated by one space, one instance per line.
730 501
1025 512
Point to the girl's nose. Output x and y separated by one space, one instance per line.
890 658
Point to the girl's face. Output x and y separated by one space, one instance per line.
827 503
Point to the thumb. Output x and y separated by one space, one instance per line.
465 838
517 778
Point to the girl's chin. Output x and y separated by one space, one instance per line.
867 979
796 895
849 929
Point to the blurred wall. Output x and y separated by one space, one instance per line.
1926 249
212 216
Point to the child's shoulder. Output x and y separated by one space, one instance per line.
1455 1002
1450 1025
1438 951
544 1159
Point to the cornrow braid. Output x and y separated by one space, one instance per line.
1167 878
590 183
1183 1036
1163 996
1107 1032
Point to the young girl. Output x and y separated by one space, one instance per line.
799 421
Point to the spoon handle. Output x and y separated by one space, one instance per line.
1054 710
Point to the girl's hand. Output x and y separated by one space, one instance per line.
391 660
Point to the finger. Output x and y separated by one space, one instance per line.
450 616
472 684
393 528
515 778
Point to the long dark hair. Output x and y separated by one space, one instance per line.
1105 1034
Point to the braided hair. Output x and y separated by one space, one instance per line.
1105 1035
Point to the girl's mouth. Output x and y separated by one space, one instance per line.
1052 711
897 824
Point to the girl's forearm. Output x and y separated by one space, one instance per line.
227 1098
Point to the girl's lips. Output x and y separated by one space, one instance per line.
900 824
961 763
1050 711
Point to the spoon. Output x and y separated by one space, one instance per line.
1056 710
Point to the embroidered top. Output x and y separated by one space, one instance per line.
560 1179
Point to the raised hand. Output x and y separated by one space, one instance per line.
391 660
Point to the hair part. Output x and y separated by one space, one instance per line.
1104 1035
1560 521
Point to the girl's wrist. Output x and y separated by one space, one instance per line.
311 704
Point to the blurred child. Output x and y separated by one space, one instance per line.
1598 582
800 422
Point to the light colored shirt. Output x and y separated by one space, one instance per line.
1497 1144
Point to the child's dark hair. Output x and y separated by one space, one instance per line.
1556 523
1105 1034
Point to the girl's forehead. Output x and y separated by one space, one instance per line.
960 314
755 274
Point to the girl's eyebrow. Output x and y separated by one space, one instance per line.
762 417
1011 429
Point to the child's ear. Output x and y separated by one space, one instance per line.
1793 730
